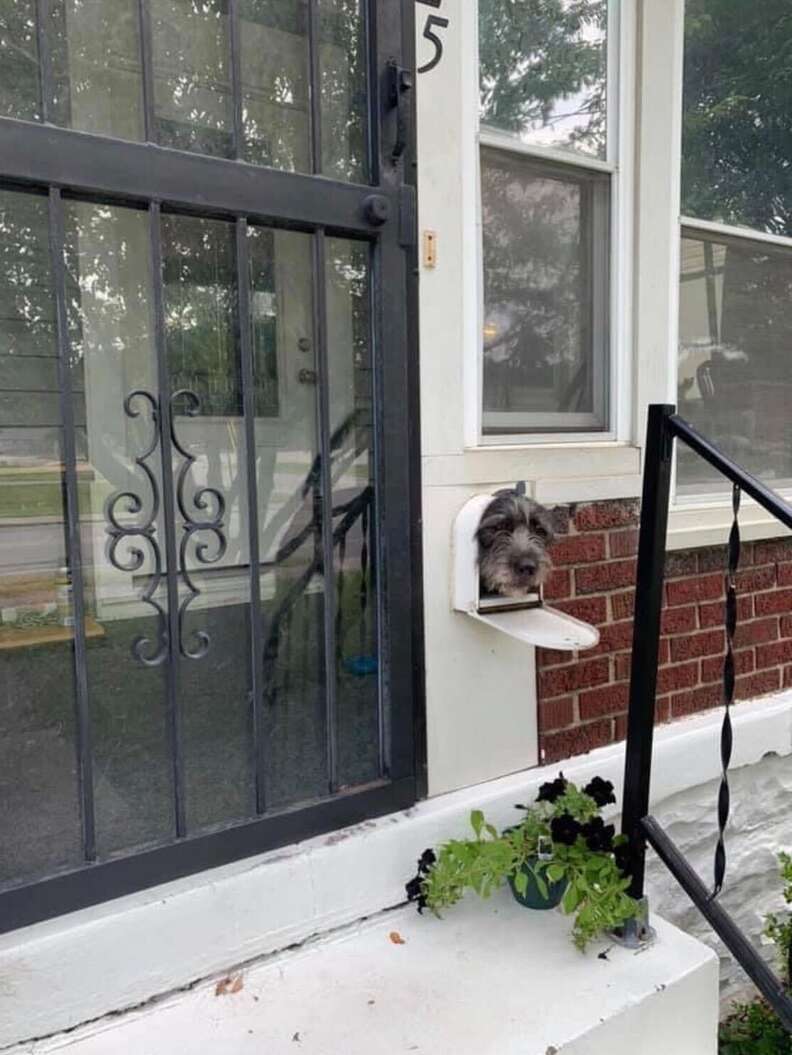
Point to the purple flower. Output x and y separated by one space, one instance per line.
552 790
415 892
564 829
601 791
623 857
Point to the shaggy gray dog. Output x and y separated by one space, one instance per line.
513 537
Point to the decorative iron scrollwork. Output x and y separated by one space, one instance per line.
145 530
204 500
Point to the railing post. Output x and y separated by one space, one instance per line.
646 635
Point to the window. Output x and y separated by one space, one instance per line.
547 168
735 323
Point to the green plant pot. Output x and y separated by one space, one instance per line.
533 897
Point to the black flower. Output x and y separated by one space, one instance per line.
552 790
601 791
564 829
598 835
415 892
425 861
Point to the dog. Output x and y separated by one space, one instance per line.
514 536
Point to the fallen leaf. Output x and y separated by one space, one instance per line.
296 1039
396 938
231 984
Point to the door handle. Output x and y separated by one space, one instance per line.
400 82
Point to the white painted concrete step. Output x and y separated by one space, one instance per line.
489 979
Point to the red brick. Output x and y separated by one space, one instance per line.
556 714
558 681
787 677
549 657
755 632
610 699
712 669
779 549
662 714
696 700
560 515
786 626
677 676
785 574
713 614
622 666
753 579
557 585
679 564
779 601
701 588
576 741
623 605
623 543
614 637
607 515
712 558
678 620
664 651
578 549
608 576
706 644
774 655
589 609
758 684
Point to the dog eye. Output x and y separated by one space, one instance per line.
539 529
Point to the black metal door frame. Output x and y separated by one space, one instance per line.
59 162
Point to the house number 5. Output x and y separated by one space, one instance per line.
433 23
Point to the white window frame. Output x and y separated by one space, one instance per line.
618 165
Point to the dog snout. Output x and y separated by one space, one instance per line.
526 567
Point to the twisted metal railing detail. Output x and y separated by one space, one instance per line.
733 563
206 500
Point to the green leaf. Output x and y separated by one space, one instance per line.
477 822
542 886
521 883
570 900
555 873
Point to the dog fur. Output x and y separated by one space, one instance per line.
514 536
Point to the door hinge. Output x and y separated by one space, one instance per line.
408 218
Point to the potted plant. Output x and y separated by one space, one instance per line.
561 851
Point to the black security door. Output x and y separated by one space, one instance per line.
208 444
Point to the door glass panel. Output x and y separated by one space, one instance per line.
39 815
290 526
210 466
19 81
343 83
354 515
96 80
275 83
111 335
192 89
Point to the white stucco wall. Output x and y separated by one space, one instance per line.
760 825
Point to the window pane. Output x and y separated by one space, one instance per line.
19 83
96 81
39 814
354 514
192 89
543 71
204 365
545 337
735 371
112 343
343 79
737 119
275 83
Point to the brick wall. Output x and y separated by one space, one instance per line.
583 696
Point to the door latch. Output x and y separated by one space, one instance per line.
399 82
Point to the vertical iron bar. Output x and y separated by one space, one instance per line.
646 636
169 514
235 46
249 405
73 538
147 71
46 72
326 505
315 86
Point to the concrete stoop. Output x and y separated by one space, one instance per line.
489 979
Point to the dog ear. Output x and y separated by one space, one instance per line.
488 528
544 519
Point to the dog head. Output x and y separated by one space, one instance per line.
513 537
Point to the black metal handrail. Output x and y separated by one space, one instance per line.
663 427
